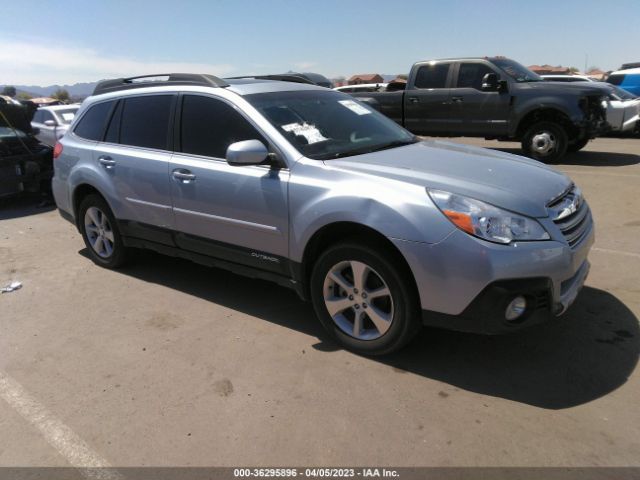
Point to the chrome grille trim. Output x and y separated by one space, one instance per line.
572 216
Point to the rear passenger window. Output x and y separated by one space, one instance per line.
470 75
209 126
92 123
145 121
432 76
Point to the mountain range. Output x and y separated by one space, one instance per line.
80 90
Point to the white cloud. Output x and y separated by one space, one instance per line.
305 65
28 63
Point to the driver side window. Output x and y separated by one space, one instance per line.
208 126
470 75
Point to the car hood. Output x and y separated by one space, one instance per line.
576 88
508 181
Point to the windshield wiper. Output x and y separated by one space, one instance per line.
369 149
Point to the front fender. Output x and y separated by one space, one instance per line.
320 195
567 106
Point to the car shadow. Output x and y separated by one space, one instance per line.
589 159
582 356
25 205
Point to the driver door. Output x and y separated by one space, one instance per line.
236 213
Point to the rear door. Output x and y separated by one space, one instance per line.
237 213
427 109
47 134
134 158
482 113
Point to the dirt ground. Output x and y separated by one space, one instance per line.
169 363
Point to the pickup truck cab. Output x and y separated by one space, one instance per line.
495 98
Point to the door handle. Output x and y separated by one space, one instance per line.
107 162
185 176
457 99
413 99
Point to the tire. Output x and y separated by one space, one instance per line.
578 145
545 141
397 314
96 221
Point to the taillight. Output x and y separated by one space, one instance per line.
57 150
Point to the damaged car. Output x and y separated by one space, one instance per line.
26 165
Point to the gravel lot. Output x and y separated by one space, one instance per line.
170 363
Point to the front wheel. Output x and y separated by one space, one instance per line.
545 141
365 299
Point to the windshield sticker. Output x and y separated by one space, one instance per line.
310 132
354 107
67 117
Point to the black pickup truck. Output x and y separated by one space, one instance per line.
495 98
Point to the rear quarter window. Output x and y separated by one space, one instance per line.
91 125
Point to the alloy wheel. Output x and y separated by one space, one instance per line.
358 300
99 232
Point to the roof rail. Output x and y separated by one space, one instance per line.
284 77
158 79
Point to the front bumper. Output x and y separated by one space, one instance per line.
466 283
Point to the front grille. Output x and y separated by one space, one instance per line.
572 216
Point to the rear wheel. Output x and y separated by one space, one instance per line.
365 299
578 145
545 141
100 232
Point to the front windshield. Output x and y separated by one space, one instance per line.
518 72
621 94
66 115
326 124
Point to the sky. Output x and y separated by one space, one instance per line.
69 41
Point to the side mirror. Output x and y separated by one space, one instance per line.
490 82
50 123
247 152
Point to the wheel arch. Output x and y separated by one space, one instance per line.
546 114
340 231
79 193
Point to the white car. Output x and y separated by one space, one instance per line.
53 122
623 111
364 87
623 107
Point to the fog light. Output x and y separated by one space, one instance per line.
516 308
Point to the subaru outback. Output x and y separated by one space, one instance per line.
310 188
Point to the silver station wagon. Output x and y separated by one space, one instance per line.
310 188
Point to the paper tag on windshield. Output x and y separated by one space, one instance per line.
68 117
354 107
310 132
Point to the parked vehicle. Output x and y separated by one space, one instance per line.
363 87
495 98
623 111
25 163
53 122
628 80
309 188
567 78
627 66
622 106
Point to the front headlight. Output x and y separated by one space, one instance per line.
486 221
